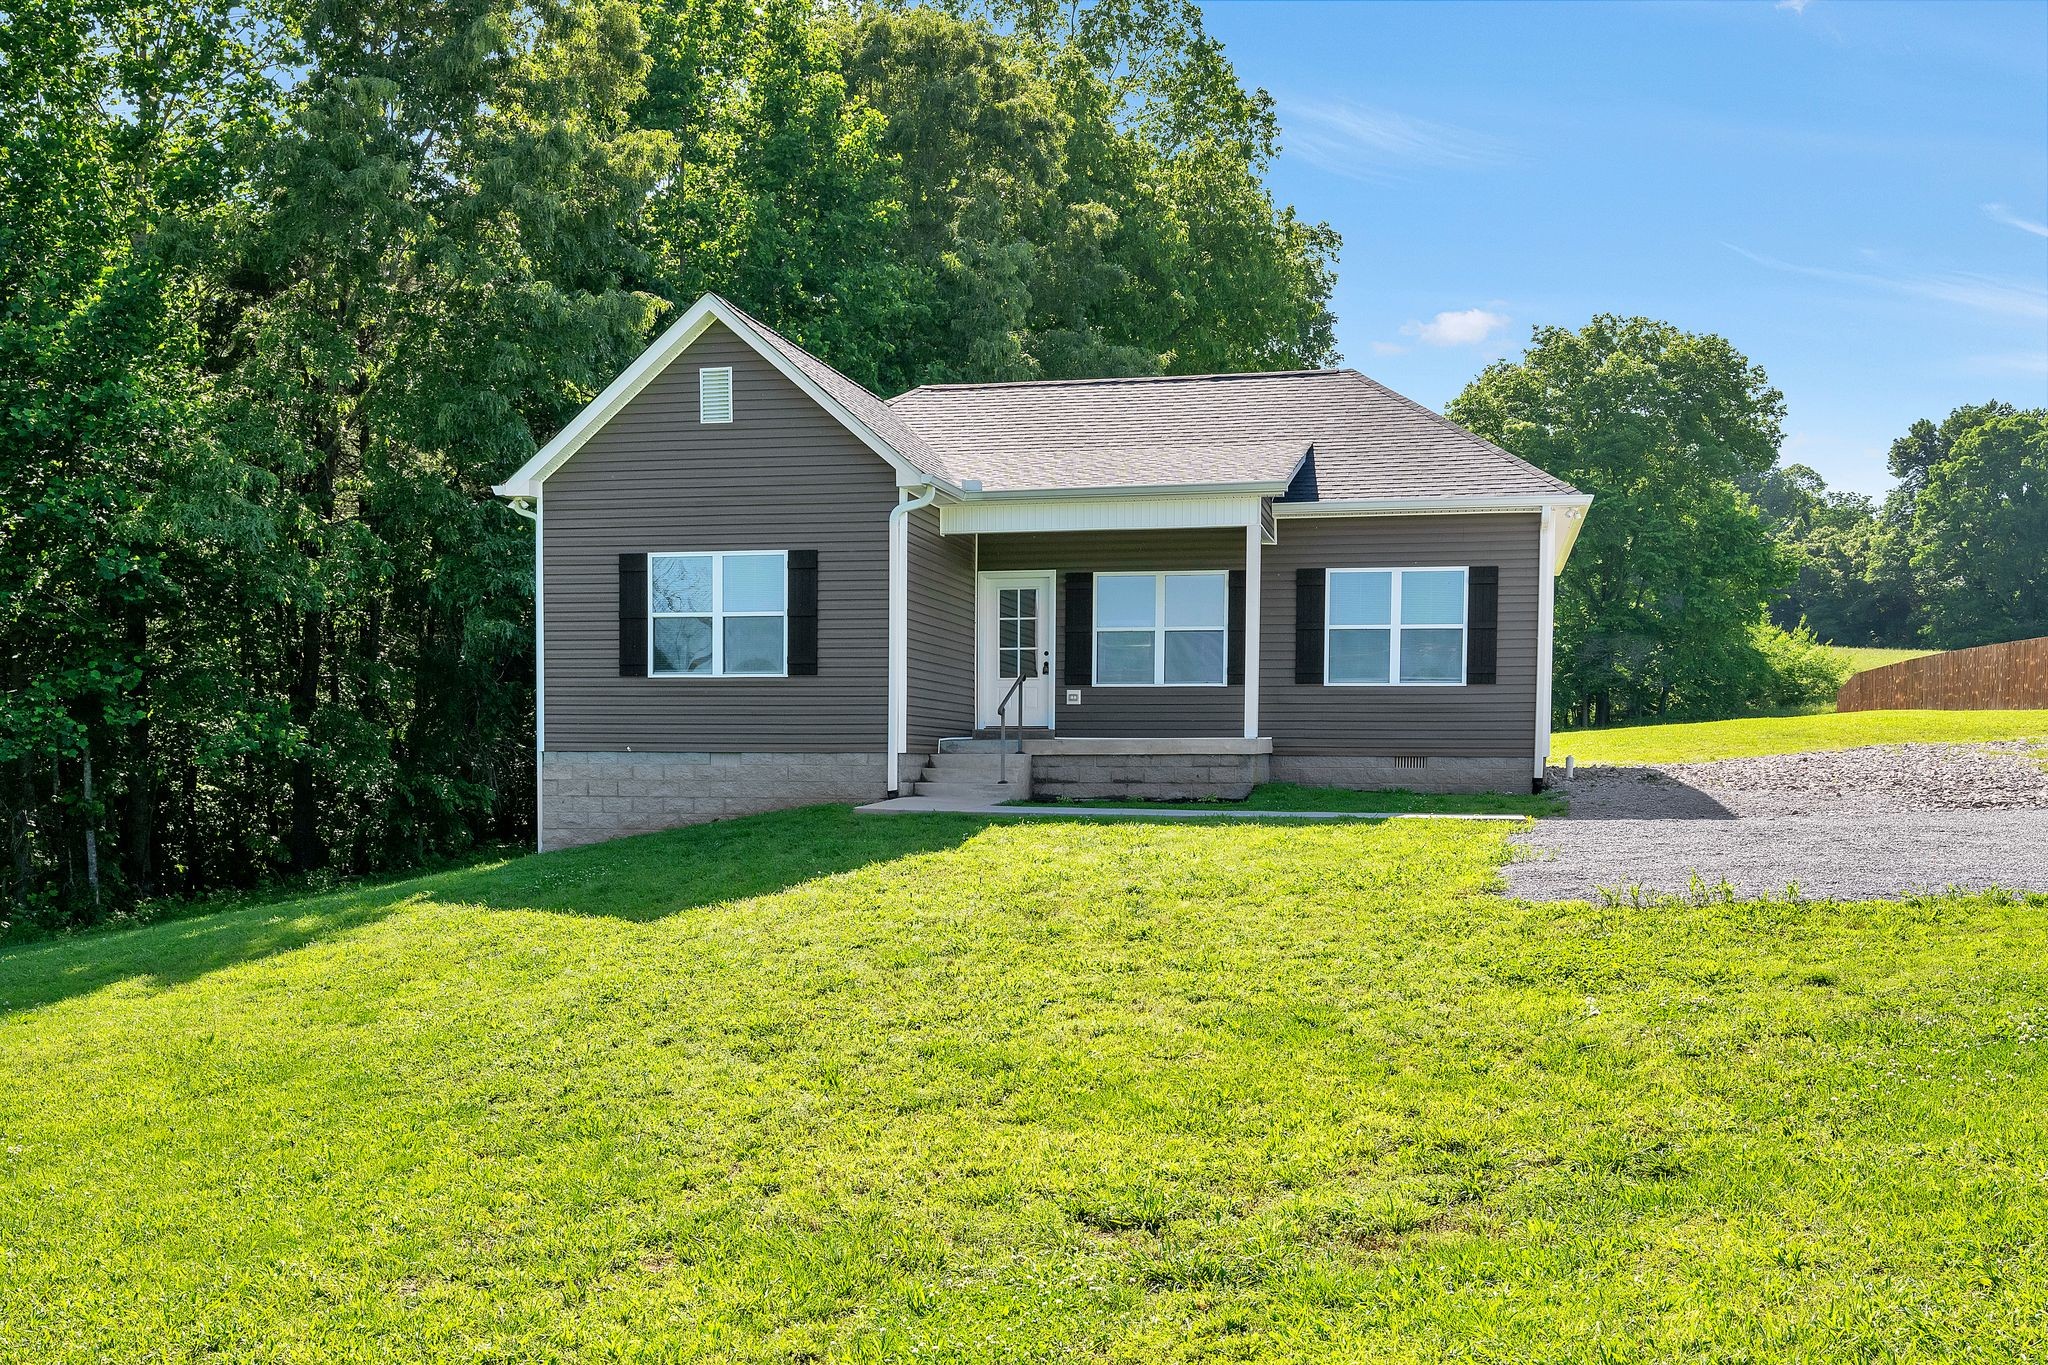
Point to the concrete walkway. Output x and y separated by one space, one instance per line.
930 805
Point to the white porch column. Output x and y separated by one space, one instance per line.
898 725
1254 543
1546 627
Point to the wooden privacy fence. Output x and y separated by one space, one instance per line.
2010 677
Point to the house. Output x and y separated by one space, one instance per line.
759 585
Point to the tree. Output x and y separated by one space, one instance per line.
1980 527
1674 568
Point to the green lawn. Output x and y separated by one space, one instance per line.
1704 741
1291 796
1862 660
817 1087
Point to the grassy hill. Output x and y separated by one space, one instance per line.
1862 660
815 1086
1706 741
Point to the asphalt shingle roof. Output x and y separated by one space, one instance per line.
1335 433
855 398
1366 440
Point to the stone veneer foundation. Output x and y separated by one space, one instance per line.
1431 774
590 797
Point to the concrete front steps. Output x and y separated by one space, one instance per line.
967 775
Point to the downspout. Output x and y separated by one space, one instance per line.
530 509
899 625
1546 630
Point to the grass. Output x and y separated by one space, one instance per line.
1862 660
812 1087
1289 796
1705 741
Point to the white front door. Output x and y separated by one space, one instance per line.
1013 623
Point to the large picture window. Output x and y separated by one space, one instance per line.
718 615
1162 629
1395 627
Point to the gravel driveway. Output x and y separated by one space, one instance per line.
1870 822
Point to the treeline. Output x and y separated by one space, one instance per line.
1707 576
285 288
1955 555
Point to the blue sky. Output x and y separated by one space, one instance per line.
1855 194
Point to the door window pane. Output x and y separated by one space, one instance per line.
1123 656
1359 656
1362 598
754 583
753 644
1196 600
1432 656
680 582
1432 597
1125 601
682 644
1195 656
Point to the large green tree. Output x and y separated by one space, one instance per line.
1980 524
1658 608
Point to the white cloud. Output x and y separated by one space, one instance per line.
1386 347
1980 293
1796 6
1466 327
1365 143
1999 213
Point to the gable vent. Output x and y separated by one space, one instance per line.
714 394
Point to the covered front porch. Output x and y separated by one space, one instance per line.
1117 641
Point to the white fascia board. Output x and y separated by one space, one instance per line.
696 319
1262 488
1401 507
1234 509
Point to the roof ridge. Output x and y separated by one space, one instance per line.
1121 379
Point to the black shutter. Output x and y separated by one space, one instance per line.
1482 622
803 613
1234 670
1308 626
633 616
1077 663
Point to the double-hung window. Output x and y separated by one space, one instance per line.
718 615
1162 629
1391 627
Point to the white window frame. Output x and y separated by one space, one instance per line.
1160 629
704 372
1394 626
718 613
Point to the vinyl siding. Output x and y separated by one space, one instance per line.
941 634
1477 721
783 475
1129 712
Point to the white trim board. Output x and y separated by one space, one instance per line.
1100 514
694 322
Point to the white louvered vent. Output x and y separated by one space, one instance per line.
714 394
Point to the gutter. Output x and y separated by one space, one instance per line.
899 627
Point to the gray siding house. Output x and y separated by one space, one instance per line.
760 585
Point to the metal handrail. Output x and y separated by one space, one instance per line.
1027 670
1003 724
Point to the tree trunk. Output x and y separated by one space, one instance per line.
306 852
138 823
92 835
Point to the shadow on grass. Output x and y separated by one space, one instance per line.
639 879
